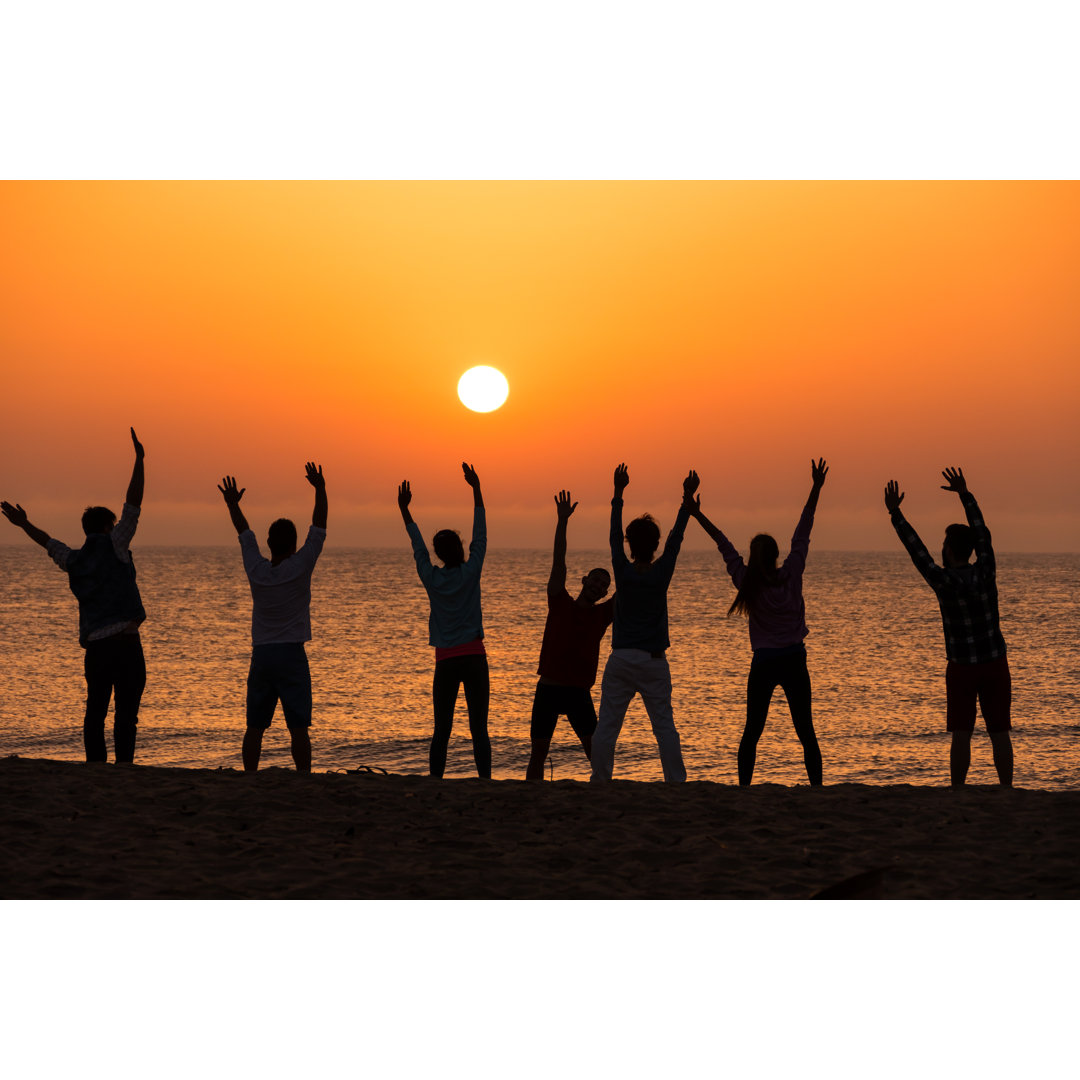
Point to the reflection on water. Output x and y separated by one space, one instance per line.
875 650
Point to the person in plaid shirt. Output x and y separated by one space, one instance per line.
967 594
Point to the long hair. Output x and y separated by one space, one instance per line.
760 572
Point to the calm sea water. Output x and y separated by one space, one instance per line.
875 654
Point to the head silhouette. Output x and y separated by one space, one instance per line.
643 536
448 547
595 584
281 539
760 572
97 519
764 552
958 546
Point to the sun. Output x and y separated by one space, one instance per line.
483 388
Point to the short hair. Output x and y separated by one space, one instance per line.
961 541
600 570
97 519
448 547
282 537
643 536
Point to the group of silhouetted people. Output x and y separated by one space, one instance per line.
102 576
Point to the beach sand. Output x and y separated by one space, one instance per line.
71 830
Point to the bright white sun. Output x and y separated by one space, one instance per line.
483 388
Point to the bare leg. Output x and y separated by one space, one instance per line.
586 745
252 749
1003 756
301 749
540 748
959 757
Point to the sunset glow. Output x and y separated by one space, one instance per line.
738 328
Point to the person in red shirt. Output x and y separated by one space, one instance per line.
570 652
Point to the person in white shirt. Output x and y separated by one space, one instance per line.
280 621
102 576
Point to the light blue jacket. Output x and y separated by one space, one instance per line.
454 592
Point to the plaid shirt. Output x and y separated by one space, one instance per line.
967 595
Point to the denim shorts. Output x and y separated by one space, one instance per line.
279 672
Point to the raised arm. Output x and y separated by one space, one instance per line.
615 536
686 508
17 516
404 497
474 482
478 544
232 496
800 539
916 549
980 534
135 488
564 508
818 472
315 479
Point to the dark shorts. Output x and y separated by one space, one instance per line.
552 701
279 673
991 683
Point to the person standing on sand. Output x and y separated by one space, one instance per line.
101 574
967 595
639 635
455 627
280 621
570 652
771 598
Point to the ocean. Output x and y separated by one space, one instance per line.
875 654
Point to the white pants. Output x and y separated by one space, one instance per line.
629 672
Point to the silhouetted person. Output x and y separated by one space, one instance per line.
967 595
771 598
455 627
570 652
639 635
102 576
280 621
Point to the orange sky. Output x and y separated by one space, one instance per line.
735 327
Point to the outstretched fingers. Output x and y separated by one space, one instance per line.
818 470
563 504
314 474
404 493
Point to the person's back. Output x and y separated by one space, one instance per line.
281 593
101 575
771 598
978 666
639 635
280 622
455 626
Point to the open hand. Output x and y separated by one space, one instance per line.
622 477
956 481
404 494
818 472
470 475
893 496
229 491
563 507
314 475
15 514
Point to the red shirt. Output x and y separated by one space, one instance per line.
570 653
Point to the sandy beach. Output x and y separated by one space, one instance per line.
76 831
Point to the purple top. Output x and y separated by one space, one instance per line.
778 617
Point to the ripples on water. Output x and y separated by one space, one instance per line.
875 649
